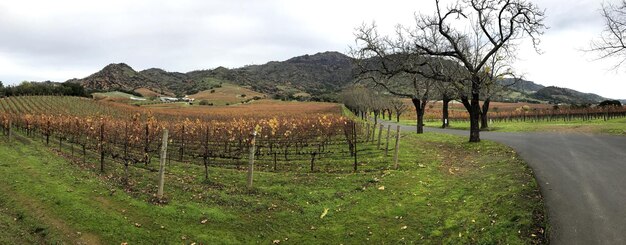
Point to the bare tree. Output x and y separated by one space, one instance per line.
494 83
399 107
611 40
378 104
358 99
469 33
388 65
446 91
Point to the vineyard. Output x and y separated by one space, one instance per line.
521 112
131 136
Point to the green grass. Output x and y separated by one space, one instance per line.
446 191
115 94
596 126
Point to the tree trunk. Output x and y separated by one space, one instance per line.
419 111
473 108
376 113
445 121
206 167
484 120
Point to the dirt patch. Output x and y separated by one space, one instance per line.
147 92
456 161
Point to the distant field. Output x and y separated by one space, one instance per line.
266 107
521 117
226 94
115 96
147 92
456 109
55 105
598 126
84 106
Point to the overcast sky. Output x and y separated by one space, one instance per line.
62 39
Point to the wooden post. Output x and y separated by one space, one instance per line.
162 164
387 144
367 137
251 160
313 161
101 148
356 140
380 134
395 158
10 126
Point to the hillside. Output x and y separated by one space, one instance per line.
310 77
566 95
167 81
522 85
227 94
116 76
321 75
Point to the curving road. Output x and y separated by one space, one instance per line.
582 178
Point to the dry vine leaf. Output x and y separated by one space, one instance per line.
324 213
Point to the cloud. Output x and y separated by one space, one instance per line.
59 40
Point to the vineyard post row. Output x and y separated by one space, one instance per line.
122 141
546 115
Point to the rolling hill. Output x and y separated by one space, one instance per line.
522 85
321 75
116 76
310 77
566 95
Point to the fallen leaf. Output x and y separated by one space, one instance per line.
382 188
324 213
403 227
204 221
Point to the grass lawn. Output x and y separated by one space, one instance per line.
597 126
446 191
114 94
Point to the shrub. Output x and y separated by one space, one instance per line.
610 103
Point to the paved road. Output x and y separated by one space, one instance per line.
582 178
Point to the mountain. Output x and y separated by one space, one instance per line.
116 76
522 85
317 77
320 75
169 82
566 95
